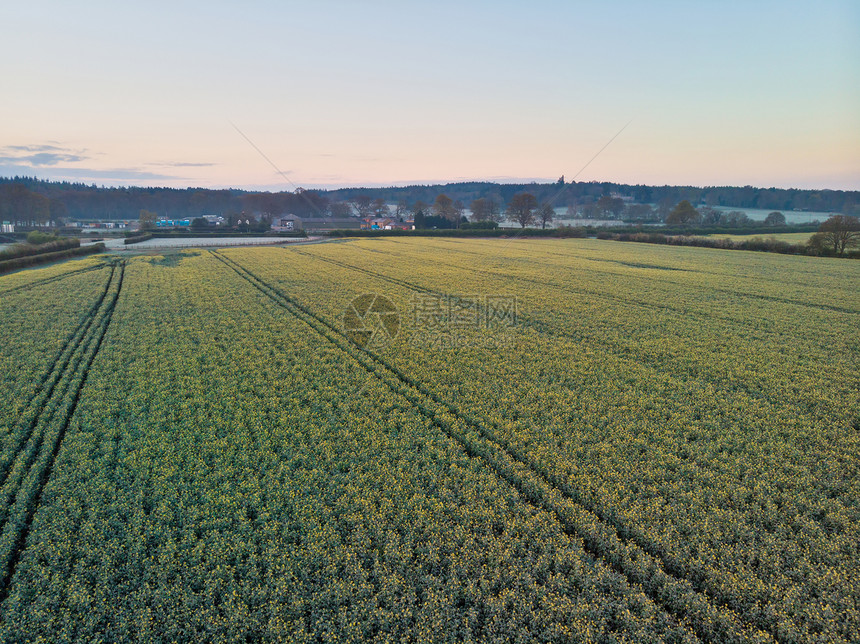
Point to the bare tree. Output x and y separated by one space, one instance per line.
147 219
710 216
494 210
340 209
683 214
58 211
610 205
521 208
775 218
639 211
459 209
402 209
480 209
443 206
839 232
485 209
362 205
379 208
545 214
20 205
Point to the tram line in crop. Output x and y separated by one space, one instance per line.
54 278
685 599
618 348
45 388
28 468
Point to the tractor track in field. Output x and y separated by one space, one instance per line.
562 287
618 348
781 300
45 388
665 582
762 325
55 278
25 482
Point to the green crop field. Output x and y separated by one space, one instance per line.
415 439
791 238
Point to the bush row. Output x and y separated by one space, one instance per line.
170 234
756 243
732 230
46 258
479 230
136 239
24 250
561 231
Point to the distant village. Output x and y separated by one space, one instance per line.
32 204
283 223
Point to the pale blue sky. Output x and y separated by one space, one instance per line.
338 93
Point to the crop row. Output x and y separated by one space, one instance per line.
662 447
37 331
538 487
230 473
31 447
750 498
31 278
635 313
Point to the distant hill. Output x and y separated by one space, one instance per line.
81 201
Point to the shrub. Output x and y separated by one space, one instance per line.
25 250
37 237
479 225
136 239
45 258
569 231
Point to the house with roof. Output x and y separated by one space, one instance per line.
287 223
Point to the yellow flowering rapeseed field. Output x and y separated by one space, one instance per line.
414 439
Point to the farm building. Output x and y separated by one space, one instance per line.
282 223
287 223
386 223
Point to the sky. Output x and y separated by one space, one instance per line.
275 95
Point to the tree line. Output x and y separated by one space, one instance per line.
251 211
34 200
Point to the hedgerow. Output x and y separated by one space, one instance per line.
48 257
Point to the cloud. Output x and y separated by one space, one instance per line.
119 174
36 148
50 158
37 156
51 161
112 175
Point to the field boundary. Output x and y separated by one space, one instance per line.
10 265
